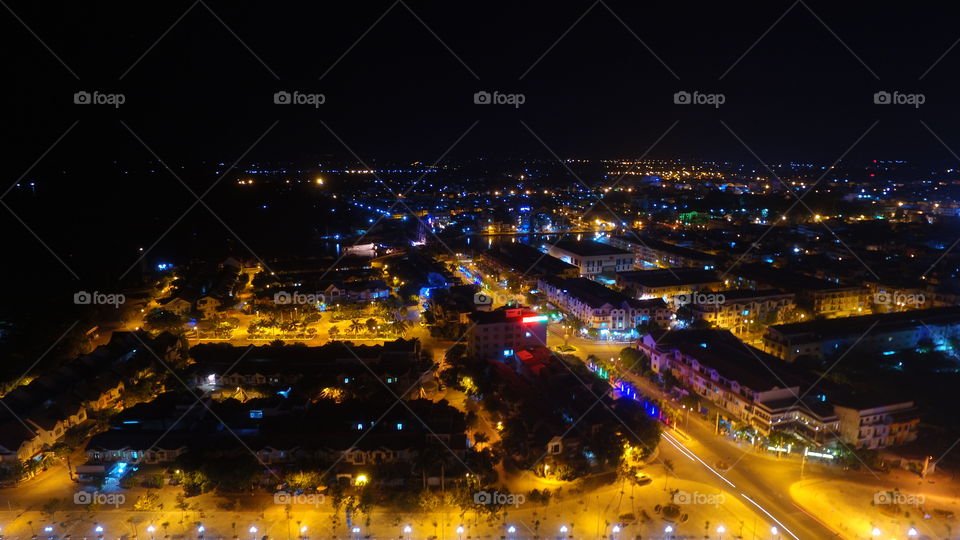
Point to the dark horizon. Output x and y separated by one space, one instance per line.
598 79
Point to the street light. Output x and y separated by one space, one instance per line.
667 531
303 532
200 530
356 531
512 530
407 530
151 529
99 530
876 531
563 530
774 532
459 532
253 531
912 532
720 530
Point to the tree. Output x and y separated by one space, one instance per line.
355 326
634 360
371 325
399 326
161 320
334 332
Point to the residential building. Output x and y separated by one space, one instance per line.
525 261
885 333
654 253
868 425
602 308
770 395
742 311
668 283
501 332
821 297
591 257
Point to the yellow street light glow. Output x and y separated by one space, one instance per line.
361 480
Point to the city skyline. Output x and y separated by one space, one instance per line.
412 270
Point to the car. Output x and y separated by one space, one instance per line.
643 479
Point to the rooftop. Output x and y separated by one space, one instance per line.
668 277
589 248
881 322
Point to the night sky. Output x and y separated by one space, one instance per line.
598 80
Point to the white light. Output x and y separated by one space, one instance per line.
303 529
460 529
668 529
253 530
511 529
408 529
200 529
876 531
151 529
563 529
774 530
356 530
48 529
616 528
721 529
912 532
98 529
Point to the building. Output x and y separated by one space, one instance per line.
742 311
35 416
821 297
884 333
591 257
501 332
770 395
656 254
668 283
610 312
525 261
867 425
719 367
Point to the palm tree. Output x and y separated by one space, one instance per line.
356 326
334 332
400 326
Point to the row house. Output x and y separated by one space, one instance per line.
884 333
600 307
770 395
47 407
867 425
741 310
